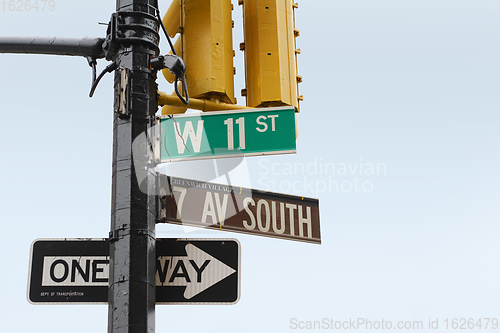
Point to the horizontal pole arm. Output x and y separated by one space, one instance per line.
85 47
196 104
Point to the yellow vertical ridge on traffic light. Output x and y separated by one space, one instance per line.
206 46
208 49
173 24
172 18
270 53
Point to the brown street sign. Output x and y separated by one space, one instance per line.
238 209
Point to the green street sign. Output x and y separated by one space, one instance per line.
252 132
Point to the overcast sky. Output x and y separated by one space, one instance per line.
399 139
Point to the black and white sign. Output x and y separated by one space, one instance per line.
188 271
197 271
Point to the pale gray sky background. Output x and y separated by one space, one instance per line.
409 85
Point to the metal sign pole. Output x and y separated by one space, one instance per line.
132 41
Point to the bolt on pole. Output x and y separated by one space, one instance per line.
132 41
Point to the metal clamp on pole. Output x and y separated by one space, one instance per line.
176 66
174 63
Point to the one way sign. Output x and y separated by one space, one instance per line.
188 271
197 271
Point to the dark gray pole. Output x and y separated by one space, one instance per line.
132 41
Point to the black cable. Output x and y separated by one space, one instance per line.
111 67
178 132
183 79
94 71
165 31
185 101
92 63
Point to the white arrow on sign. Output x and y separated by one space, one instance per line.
197 271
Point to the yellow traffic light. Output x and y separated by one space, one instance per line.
205 45
270 53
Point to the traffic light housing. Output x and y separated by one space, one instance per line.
270 53
206 46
